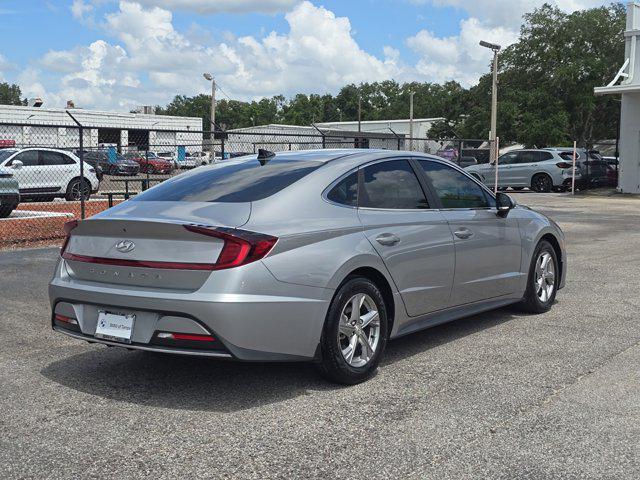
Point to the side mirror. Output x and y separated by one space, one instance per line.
16 164
504 203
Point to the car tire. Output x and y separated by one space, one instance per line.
541 183
5 210
77 189
343 356
535 300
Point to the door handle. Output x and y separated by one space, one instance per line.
387 239
463 233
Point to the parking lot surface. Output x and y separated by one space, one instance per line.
498 395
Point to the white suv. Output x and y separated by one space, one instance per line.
46 173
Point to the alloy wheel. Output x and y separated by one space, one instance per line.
359 330
79 189
545 277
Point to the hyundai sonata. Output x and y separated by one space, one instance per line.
317 256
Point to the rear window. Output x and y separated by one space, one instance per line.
236 182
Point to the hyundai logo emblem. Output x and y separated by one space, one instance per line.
125 246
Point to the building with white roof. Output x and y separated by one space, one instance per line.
54 127
629 88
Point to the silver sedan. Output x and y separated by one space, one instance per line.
319 256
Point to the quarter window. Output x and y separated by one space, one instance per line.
453 188
346 191
54 158
392 185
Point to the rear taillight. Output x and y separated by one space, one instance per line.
68 227
563 165
240 246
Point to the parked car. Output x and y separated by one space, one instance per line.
169 157
196 159
317 255
540 170
150 162
119 166
594 170
448 153
9 192
46 173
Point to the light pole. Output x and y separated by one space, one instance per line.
411 94
494 98
210 78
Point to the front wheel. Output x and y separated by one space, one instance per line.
542 281
355 333
77 190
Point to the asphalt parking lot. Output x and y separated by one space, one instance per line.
499 395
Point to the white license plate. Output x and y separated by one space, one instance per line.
113 326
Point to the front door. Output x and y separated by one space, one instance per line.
487 247
414 241
29 176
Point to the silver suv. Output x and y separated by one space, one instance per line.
539 170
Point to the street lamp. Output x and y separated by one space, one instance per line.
494 97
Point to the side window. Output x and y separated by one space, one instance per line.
393 185
526 157
542 156
52 158
346 191
28 158
507 159
454 189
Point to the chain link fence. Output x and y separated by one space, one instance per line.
50 174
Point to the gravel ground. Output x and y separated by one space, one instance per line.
499 395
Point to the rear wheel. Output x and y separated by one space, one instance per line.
541 183
355 333
542 281
78 189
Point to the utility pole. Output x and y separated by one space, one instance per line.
209 77
411 94
494 99
359 112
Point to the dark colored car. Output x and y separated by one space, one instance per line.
121 166
9 193
594 170
150 163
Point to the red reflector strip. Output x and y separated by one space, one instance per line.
186 336
139 263
62 318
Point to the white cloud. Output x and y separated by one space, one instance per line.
507 13
217 6
318 54
458 57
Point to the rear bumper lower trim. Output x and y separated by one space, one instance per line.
134 346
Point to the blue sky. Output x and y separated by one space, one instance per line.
118 54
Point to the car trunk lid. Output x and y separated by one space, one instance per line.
147 244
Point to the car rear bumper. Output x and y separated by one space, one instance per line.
275 322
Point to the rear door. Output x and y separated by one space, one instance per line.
487 247
523 168
57 169
413 240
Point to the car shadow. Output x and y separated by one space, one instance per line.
200 384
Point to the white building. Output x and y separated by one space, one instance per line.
277 137
54 127
629 87
421 126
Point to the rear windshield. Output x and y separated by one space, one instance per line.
233 182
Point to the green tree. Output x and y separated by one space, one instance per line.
10 94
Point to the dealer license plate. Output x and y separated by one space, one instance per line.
116 327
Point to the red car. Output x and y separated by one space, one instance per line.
150 162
